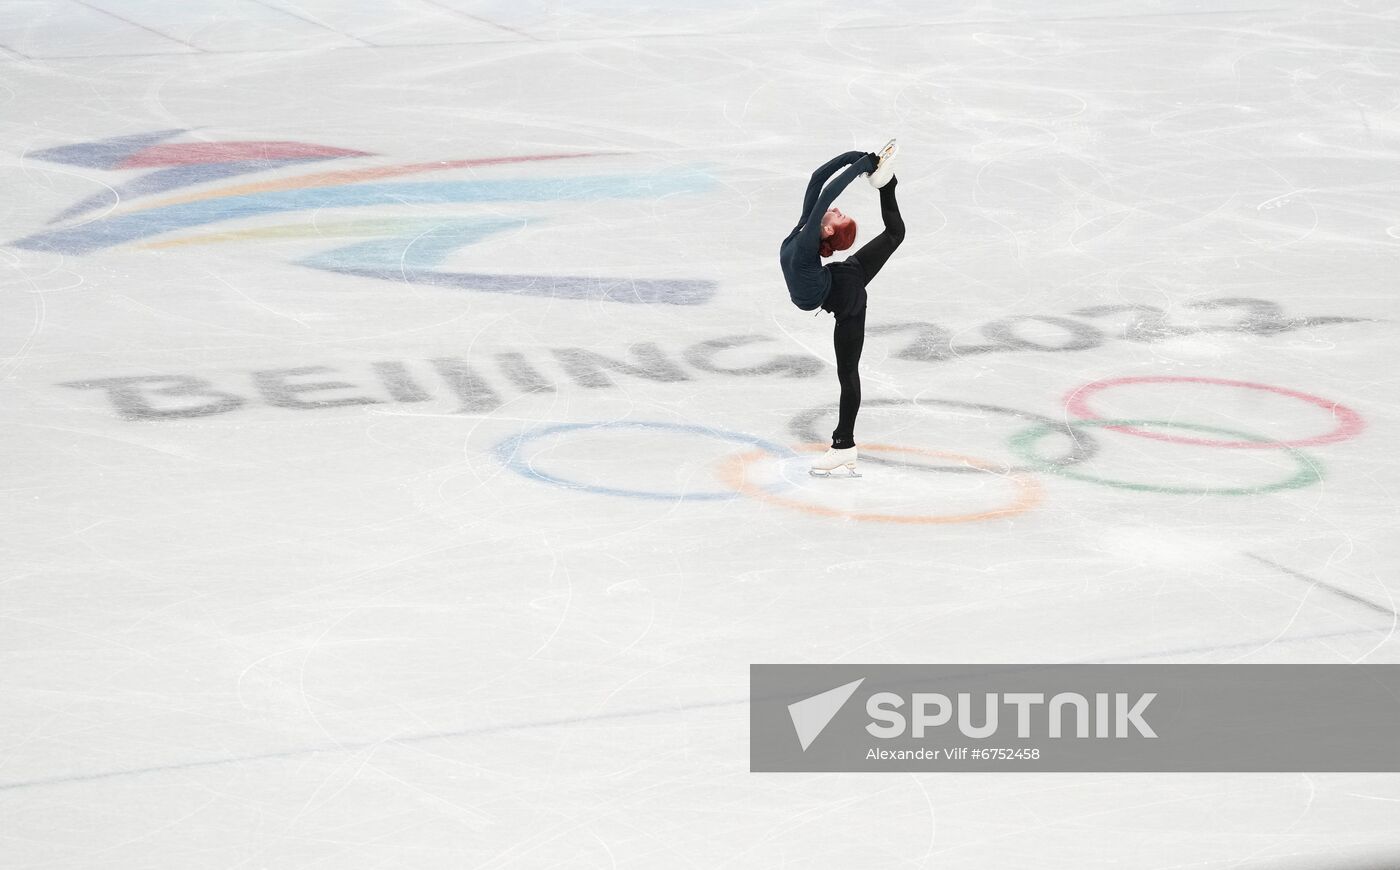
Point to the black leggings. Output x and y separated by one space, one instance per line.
847 302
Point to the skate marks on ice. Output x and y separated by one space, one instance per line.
1237 650
1386 610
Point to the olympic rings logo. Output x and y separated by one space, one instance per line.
1024 491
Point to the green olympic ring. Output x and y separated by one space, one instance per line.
1023 443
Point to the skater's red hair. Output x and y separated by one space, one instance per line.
842 237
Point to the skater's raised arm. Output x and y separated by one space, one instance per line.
811 234
814 187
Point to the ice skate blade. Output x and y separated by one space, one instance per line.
831 472
885 170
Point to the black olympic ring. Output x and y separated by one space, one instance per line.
804 427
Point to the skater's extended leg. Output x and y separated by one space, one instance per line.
849 340
873 254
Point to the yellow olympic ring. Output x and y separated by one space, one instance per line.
734 473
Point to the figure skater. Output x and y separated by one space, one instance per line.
840 287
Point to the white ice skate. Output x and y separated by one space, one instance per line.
834 460
884 171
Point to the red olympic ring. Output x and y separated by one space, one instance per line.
1349 422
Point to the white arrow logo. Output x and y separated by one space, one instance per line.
811 715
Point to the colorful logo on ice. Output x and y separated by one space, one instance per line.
156 209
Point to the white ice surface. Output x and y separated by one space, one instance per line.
352 636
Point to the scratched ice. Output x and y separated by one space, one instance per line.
406 424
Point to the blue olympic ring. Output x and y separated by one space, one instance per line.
510 454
